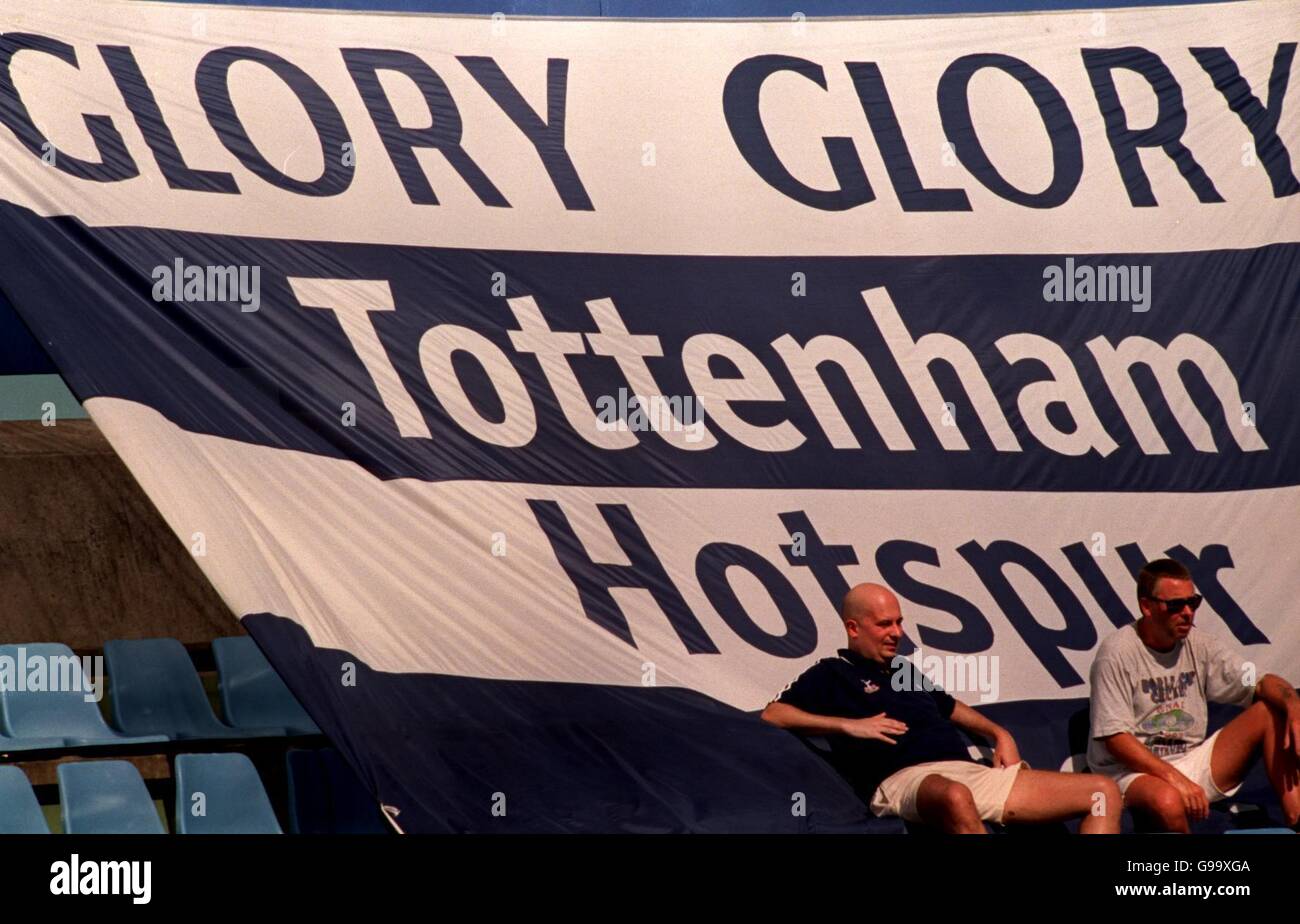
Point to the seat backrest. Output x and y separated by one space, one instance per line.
20 813
1075 763
221 794
60 713
156 691
1079 730
252 694
106 797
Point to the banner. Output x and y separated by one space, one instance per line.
534 389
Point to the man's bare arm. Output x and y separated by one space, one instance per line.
792 718
1005 752
1133 754
967 719
1278 693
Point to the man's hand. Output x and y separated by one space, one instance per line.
1005 752
877 727
1195 803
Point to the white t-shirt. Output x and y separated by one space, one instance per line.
1160 696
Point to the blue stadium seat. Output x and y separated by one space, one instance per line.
106 797
156 691
252 693
221 794
59 718
8 745
20 813
325 796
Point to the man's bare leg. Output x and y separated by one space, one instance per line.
948 805
1157 801
1257 729
1043 795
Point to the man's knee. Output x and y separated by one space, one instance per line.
948 805
957 801
1107 792
1166 805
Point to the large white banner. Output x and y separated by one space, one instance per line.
612 353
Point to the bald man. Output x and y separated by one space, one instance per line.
894 736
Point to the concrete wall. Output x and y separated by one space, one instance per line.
84 556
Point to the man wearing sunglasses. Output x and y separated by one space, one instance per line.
1151 682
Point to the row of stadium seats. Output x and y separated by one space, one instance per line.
155 695
215 794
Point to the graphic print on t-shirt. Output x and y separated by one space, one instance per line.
1168 722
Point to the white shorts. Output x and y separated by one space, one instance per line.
990 787
1193 764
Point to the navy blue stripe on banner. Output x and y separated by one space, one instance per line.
458 754
707 9
279 376
20 354
466 754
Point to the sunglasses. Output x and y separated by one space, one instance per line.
1176 605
